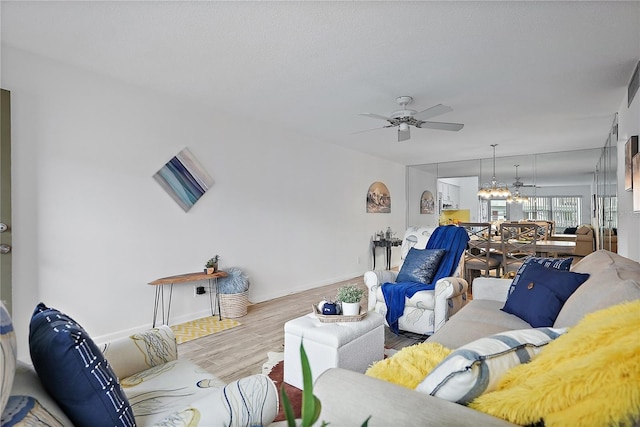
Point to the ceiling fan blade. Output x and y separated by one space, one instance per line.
369 130
377 116
403 135
436 110
441 125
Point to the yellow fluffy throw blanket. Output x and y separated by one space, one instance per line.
409 366
589 376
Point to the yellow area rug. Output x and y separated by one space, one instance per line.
201 328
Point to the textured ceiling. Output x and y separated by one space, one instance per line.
529 76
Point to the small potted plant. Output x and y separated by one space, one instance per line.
211 266
350 296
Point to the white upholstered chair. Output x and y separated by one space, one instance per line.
426 311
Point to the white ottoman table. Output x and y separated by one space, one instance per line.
349 345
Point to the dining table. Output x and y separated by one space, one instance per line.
543 247
565 237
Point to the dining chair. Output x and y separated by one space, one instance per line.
546 229
517 242
479 256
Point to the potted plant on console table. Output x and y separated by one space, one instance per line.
211 266
350 296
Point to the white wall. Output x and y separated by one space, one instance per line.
628 221
419 181
91 226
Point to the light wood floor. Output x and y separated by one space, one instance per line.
241 351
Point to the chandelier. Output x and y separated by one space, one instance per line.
516 197
494 188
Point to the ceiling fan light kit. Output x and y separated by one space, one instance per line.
516 197
406 117
494 189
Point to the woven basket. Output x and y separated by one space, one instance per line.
234 305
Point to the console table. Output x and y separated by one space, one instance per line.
387 244
184 278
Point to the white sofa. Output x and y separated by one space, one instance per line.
161 388
426 311
613 280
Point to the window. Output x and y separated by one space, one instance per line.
564 211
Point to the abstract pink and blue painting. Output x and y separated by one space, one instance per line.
184 179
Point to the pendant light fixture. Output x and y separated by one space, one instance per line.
494 188
516 197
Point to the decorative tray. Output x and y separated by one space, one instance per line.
334 318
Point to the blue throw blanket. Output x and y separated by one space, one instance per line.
449 237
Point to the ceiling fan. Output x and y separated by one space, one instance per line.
519 184
516 197
406 117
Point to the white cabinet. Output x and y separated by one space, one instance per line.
450 195
454 196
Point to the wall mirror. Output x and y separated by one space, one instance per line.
605 198
586 177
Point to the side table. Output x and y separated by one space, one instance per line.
184 278
387 244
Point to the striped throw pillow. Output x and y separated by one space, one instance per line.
477 367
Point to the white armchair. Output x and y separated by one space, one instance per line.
426 311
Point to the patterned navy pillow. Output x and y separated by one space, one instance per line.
420 265
541 293
557 263
8 354
74 371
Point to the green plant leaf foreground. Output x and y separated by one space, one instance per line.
288 409
310 404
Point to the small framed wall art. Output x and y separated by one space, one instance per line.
378 198
427 203
630 150
636 183
184 179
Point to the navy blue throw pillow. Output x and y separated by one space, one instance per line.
557 263
540 294
74 371
420 265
